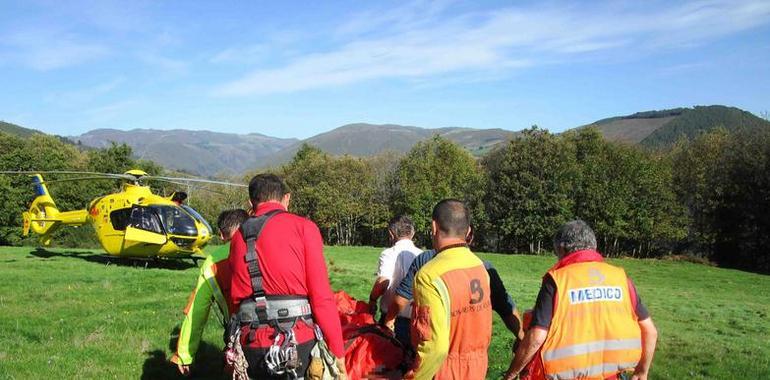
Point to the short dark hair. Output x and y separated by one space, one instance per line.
266 187
573 236
179 196
401 226
229 220
452 217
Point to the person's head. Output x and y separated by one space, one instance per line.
229 221
573 236
400 227
179 197
268 187
451 221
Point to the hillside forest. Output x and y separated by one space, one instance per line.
706 197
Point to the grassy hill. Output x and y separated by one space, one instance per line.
363 139
695 121
630 130
663 128
67 314
13 129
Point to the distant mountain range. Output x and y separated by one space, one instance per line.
209 153
370 139
198 152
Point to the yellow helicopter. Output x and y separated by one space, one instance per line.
133 222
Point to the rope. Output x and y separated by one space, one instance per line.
235 357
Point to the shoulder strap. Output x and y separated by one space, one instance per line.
251 229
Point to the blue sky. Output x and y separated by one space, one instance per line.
292 69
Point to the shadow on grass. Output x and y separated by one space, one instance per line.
208 362
173 264
208 365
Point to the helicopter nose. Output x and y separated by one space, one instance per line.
203 238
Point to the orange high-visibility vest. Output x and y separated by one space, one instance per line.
594 332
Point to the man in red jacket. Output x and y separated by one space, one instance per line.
289 252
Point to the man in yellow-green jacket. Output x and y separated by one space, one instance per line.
212 287
452 311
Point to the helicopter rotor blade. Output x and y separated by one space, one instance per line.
193 180
189 185
79 179
70 172
125 177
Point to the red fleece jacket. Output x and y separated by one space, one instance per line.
292 263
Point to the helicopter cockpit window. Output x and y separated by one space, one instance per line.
200 218
120 219
176 220
145 218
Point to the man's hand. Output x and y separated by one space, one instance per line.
390 324
510 375
343 373
378 289
527 350
183 369
649 341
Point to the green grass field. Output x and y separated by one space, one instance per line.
66 314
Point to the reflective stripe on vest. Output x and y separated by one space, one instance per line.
593 371
594 333
216 291
600 345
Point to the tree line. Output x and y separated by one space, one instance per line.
709 197
706 198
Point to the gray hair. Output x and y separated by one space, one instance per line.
574 236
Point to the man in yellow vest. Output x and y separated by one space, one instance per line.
451 325
212 287
588 321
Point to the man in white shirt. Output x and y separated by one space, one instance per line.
393 266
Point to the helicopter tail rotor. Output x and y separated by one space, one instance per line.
43 217
42 212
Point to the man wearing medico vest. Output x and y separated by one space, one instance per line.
588 321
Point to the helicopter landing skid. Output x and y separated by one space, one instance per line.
149 262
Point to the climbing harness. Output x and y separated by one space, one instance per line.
280 312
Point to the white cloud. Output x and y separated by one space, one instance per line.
48 50
424 39
408 15
249 54
683 67
83 96
176 66
111 111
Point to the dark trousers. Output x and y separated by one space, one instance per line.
402 330
258 369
